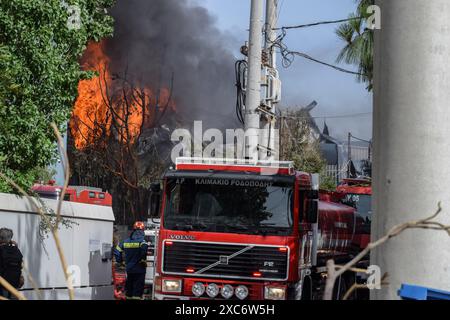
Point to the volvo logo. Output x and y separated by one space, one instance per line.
223 260
181 237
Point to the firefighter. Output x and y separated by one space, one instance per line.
135 251
10 262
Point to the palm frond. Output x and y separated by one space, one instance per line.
345 32
358 40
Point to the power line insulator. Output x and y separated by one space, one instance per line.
244 50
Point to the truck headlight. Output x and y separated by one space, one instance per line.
227 291
275 293
212 290
198 289
241 292
172 286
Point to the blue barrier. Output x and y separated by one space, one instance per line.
410 292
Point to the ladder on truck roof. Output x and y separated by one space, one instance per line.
287 166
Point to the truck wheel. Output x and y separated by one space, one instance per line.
340 288
307 289
350 280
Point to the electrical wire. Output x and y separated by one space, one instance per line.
288 56
359 139
354 115
241 68
300 26
304 55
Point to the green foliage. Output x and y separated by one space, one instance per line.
300 146
359 43
39 75
49 220
327 183
44 174
307 158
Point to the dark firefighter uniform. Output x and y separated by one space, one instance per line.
134 251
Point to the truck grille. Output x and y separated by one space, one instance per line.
225 260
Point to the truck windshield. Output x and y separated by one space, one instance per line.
229 206
49 195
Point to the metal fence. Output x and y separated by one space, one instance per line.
340 171
359 153
337 173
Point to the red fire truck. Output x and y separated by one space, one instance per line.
86 195
229 230
358 194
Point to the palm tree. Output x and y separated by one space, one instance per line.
359 43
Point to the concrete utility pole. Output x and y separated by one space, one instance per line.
412 141
272 85
271 35
253 100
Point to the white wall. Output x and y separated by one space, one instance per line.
84 245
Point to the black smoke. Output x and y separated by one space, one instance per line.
154 39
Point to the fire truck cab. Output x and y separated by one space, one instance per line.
234 230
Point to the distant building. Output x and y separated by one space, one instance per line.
340 164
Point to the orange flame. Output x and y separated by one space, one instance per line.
92 117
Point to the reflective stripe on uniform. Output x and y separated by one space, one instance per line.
118 248
131 245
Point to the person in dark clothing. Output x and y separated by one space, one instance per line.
135 251
10 262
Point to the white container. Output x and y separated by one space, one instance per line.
86 245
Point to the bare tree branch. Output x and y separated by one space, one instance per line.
5 284
65 163
33 282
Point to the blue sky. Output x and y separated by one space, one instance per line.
338 94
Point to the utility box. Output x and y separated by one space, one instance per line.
86 242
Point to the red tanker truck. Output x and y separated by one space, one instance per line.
358 194
234 230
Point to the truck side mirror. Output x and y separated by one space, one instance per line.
312 202
312 211
154 200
